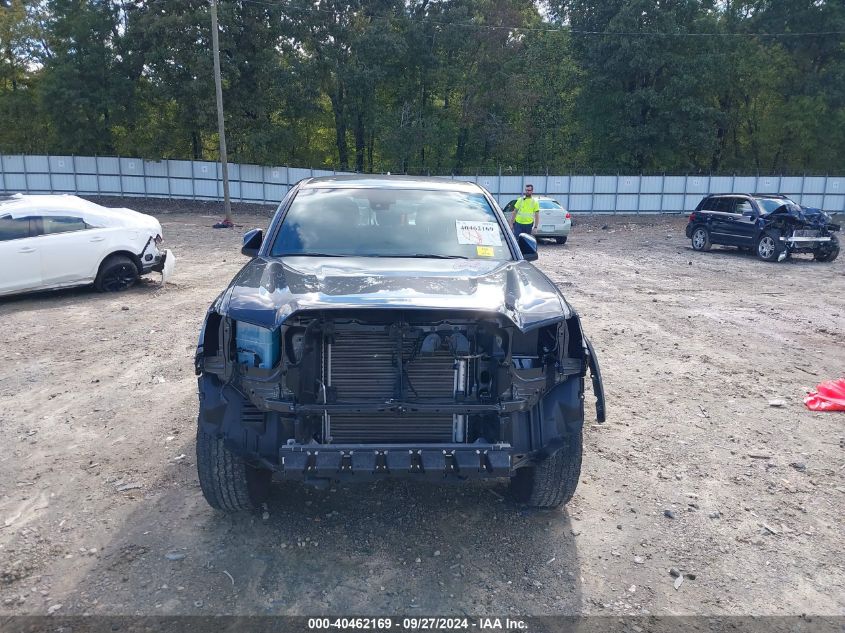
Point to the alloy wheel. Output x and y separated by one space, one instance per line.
119 278
766 247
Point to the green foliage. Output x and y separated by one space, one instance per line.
459 86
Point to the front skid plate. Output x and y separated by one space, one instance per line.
338 460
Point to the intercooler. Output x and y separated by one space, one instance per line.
365 366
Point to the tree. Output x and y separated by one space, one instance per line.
20 52
83 90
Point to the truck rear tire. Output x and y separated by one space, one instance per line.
228 483
553 481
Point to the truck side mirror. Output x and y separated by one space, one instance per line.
252 242
527 246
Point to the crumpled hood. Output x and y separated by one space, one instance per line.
817 217
805 216
268 291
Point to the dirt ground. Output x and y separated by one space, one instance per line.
101 512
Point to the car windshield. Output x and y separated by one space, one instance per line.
391 223
770 204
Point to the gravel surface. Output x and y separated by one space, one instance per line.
710 489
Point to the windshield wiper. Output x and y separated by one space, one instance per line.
310 255
422 256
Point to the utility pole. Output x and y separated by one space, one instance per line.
215 45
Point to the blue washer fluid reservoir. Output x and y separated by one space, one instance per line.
257 346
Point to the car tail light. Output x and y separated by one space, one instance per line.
568 215
692 216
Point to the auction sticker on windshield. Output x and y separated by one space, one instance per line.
478 233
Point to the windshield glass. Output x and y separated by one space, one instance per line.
770 204
391 223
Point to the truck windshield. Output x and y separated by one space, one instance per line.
391 223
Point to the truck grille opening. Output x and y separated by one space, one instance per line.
387 429
364 366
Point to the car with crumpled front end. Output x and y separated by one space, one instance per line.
391 327
771 225
61 241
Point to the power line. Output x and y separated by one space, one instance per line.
571 31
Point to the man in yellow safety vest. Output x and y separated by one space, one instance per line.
526 212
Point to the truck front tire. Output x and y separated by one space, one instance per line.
551 482
228 483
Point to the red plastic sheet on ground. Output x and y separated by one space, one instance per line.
829 396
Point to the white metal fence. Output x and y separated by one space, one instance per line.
201 180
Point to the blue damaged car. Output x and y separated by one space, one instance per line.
771 225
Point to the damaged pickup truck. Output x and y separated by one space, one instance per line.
389 327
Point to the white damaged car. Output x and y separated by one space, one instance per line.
57 241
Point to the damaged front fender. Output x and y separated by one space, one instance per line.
595 375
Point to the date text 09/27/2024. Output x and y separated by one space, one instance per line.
416 624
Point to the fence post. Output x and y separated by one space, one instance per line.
49 173
686 186
120 174
167 176
662 189
593 196
2 174
73 167
616 194
639 191
499 186
144 175
97 172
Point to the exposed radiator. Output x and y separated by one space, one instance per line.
364 366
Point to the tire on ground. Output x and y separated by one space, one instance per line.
769 247
561 239
553 481
702 242
117 272
228 483
830 253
